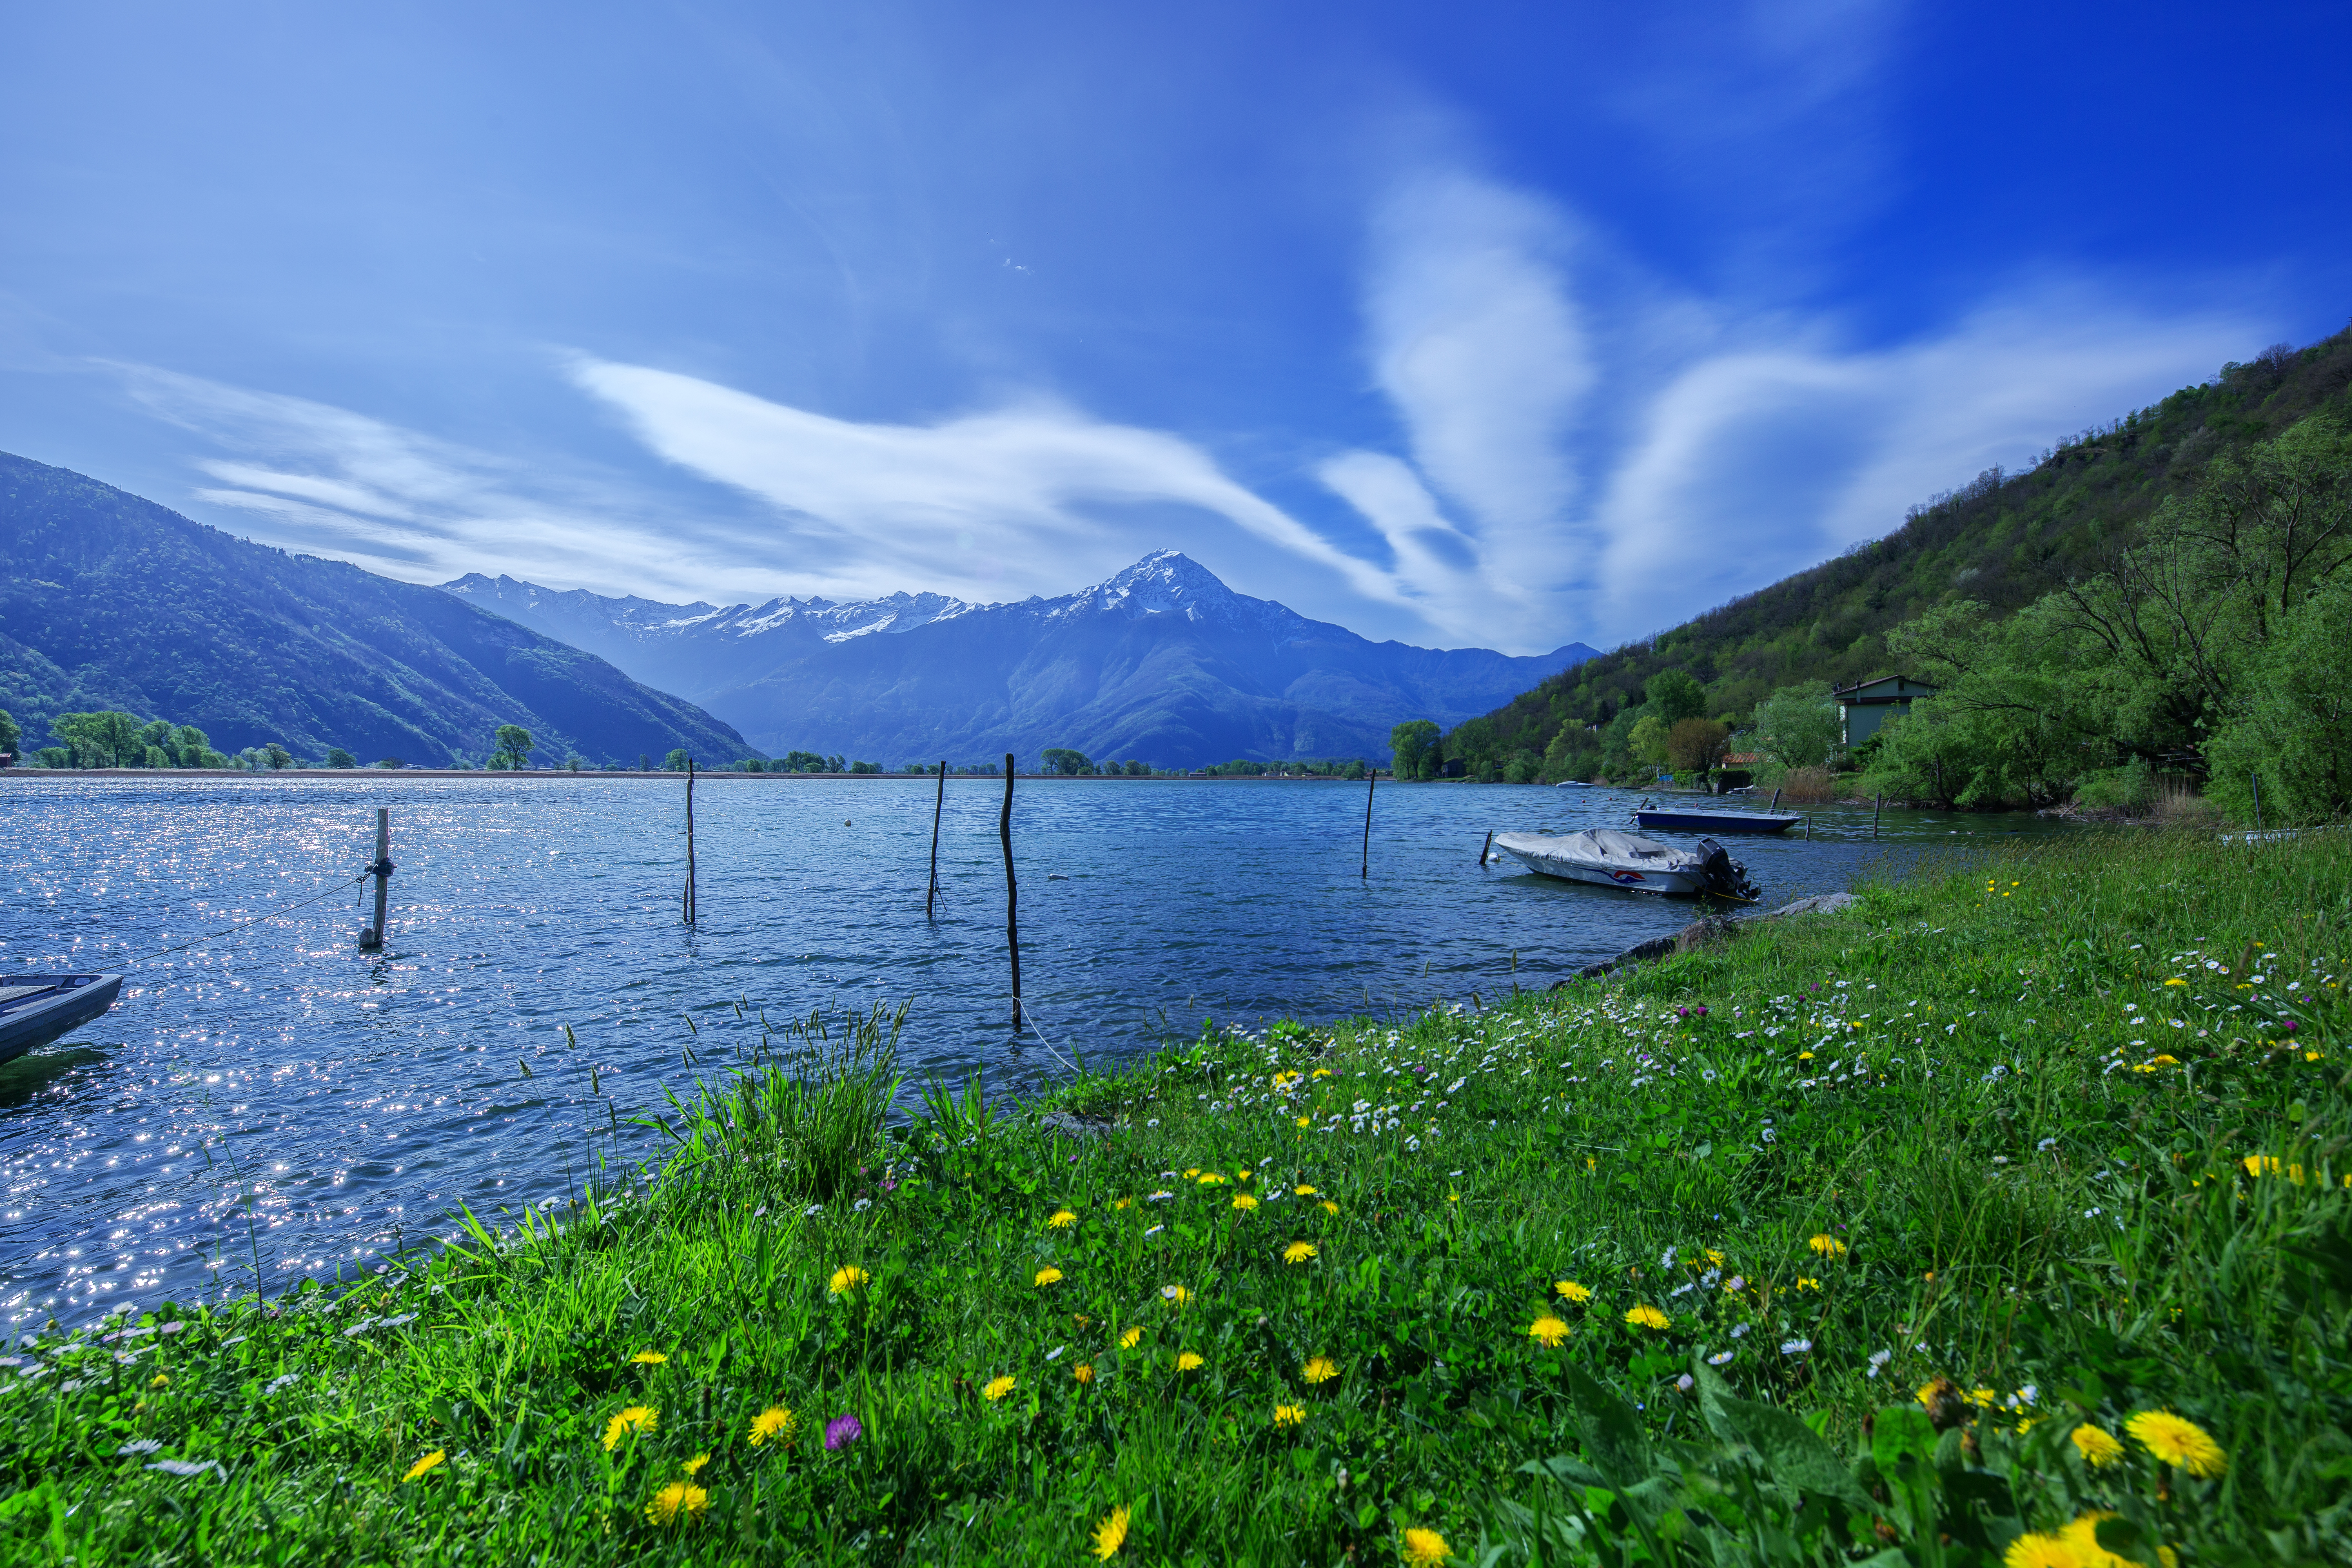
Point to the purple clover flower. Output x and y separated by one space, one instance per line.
842 1431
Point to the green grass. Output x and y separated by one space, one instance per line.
2005 1200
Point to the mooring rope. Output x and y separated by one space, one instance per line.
231 930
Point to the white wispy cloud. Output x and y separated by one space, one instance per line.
1743 444
326 480
1013 498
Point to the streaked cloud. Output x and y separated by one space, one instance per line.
1024 498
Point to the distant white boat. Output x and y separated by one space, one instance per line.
1614 858
1571 784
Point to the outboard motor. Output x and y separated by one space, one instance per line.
1724 875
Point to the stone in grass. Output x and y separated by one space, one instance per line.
1068 1124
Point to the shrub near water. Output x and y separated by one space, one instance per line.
2001 1220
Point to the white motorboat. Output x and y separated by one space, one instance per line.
1571 784
1618 859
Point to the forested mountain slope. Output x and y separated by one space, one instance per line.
2004 541
109 601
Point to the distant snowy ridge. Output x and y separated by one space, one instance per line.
1161 662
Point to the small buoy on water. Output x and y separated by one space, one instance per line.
1055 877
844 821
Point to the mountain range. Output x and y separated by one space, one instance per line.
109 601
1162 663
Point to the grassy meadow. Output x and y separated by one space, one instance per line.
2004 1217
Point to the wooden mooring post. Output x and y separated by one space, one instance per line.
1012 919
1371 778
1878 807
932 892
1484 849
372 936
686 907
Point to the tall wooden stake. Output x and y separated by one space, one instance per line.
1874 810
1012 924
1484 849
687 909
1371 777
937 806
374 935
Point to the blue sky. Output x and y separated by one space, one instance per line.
1499 325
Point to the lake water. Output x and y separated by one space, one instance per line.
354 1099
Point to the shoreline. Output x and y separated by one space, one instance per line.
1988 1135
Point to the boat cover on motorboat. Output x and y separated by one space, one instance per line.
36 1008
1612 857
1688 821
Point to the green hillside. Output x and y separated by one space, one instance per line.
2003 541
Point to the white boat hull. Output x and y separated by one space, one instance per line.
1608 860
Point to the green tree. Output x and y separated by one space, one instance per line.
1674 695
1695 745
9 733
338 758
513 751
101 739
1799 726
277 757
1647 740
1411 745
2292 732
1069 764
676 762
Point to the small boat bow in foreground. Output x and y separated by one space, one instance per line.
36 1008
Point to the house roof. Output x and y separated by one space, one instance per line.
1884 688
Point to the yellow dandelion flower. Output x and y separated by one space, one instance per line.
1298 1252
2082 1535
1122 1202
1061 1220
1579 1294
1327 1207
680 1501
1982 1398
776 1421
425 1463
1047 1276
648 1358
1827 1245
163 1380
1645 1316
2177 1441
1084 1371
2098 1448
694 1466
847 1279
2034 1550
1192 1172
1240 1175
1174 1295
998 1387
1320 1369
1111 1534
1715 1257
1212 1178
1320 1072
1550 1331
1244 1202
1303 1122
1804 1056
1805 1284
635 1418
1188 1361
1426 1546
2176 980
1304 1191
2261 1165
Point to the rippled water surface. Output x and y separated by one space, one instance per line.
274 1102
